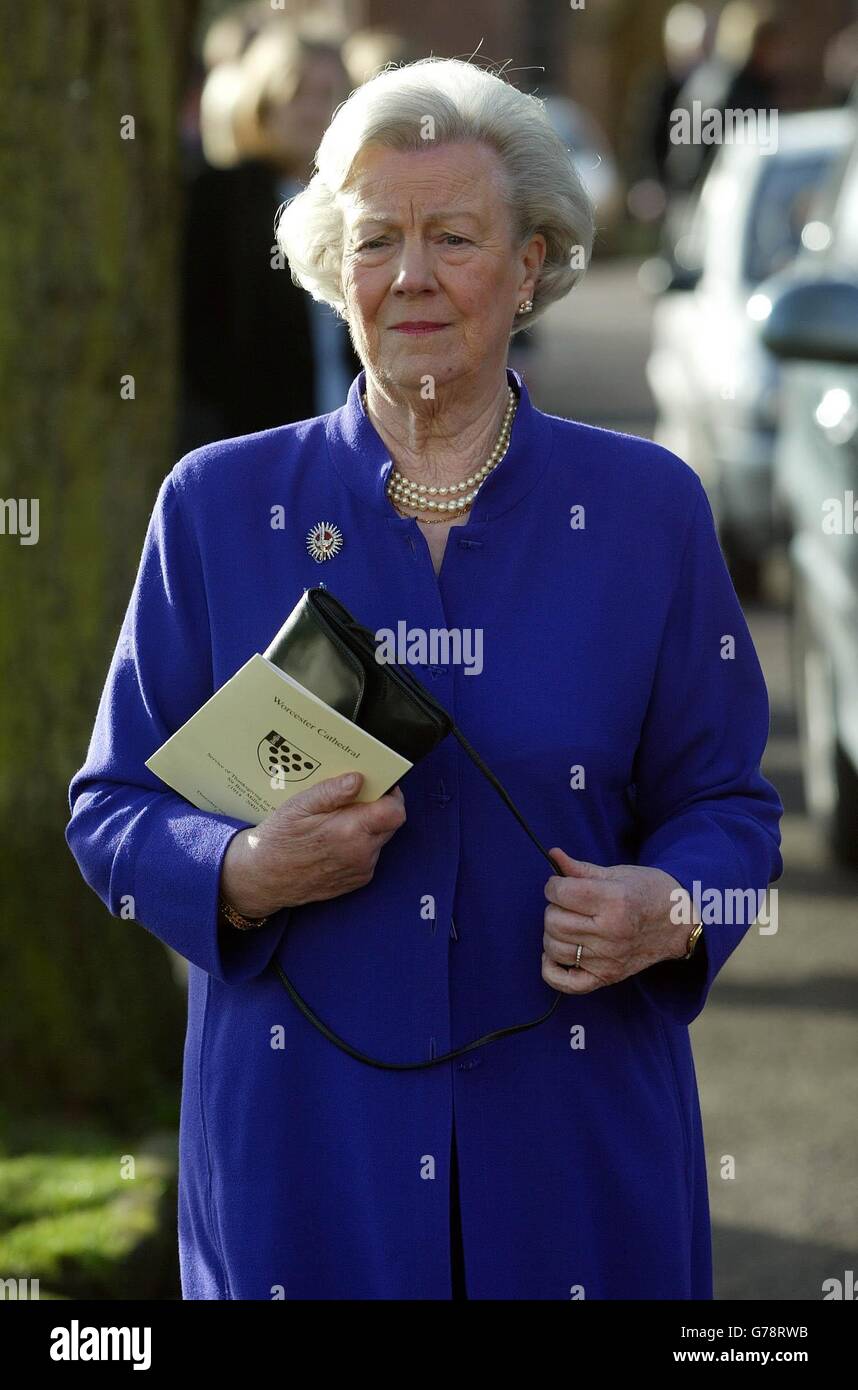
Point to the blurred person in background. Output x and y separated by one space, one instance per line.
746 72
367 51
228 36
686 34
207 138
566 1160
256 352
841 65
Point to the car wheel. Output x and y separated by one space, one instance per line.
830 780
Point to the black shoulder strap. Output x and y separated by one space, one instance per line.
468 1047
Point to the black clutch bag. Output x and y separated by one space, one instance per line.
326 650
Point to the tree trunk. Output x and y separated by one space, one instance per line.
90 195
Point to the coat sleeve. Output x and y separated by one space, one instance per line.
146 851
707 815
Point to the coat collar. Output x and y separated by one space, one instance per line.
362 461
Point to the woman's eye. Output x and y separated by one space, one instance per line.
450 238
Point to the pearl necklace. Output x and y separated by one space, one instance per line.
402 489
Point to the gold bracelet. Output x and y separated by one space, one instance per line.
237 920
696 933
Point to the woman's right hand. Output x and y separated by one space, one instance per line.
315 846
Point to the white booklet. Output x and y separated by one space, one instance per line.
261 738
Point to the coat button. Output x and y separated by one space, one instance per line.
441 796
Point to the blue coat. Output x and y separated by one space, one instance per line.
590 563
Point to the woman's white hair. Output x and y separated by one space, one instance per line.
426 104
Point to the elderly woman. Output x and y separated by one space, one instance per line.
617 697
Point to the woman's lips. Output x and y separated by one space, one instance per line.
418 327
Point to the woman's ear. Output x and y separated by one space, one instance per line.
533 257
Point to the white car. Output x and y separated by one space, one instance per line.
715 385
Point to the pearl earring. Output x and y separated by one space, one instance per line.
526 307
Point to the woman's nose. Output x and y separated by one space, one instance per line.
414 270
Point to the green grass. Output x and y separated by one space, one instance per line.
88 1214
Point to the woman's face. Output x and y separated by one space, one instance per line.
428 240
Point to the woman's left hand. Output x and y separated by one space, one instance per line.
621 915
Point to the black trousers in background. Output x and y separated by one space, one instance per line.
457 1253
